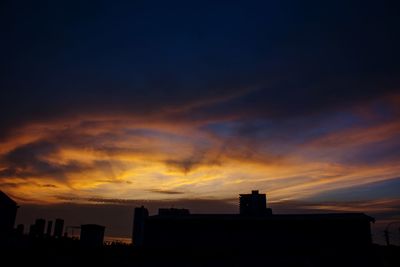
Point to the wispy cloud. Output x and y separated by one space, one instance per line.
124 157
167 192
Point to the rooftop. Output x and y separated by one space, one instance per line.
286 217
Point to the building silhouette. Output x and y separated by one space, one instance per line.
139 219
253 204
173 211
92 235
37 229
8 213
254 228
20 229
40 226
49 228
58 228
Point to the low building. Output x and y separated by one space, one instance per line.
258 229
92 235
40 225
49 228
58 228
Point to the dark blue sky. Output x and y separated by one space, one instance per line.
284 57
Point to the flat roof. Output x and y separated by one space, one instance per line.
284 217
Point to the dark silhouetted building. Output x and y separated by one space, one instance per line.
40 225
173 211
253 204
253 229
49 228
32 230
58 228
139 220
8 212
92 235
20 229
236 231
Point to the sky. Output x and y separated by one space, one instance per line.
106 105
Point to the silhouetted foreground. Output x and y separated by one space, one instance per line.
69 252
255 228
174 237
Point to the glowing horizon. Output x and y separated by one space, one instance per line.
120 157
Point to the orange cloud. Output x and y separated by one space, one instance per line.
117 156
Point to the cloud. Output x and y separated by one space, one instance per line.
290 158
49 185
189 164
30 160
268 60
30 153
168 192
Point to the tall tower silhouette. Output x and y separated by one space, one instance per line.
58 228
140 216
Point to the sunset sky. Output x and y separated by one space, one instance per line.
104 107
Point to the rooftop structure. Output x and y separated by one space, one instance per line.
92 235
255 227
